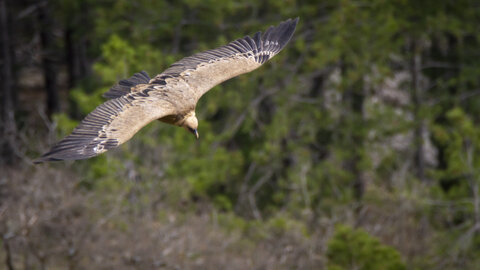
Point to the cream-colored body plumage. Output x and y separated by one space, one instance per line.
170 97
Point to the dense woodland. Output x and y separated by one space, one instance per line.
357 147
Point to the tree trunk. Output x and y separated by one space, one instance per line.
70 56
8 125
353 97
415 73
8 251
77 26
49 69
359 142
82 57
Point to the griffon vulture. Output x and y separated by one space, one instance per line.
169 97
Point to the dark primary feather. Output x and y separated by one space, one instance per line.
109 125
262 47
125 86
131 107
89 136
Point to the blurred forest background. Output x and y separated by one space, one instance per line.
357 147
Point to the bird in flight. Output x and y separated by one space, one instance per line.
170 97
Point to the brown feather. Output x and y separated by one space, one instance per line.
204 70
170 97
109 125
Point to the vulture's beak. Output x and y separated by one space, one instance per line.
194 131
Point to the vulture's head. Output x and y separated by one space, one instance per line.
191 124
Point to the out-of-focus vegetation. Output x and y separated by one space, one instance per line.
349 249
357 147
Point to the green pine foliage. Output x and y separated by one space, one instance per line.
356 249
310 139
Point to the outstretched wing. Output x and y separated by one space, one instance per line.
204 70
109 125
126 86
